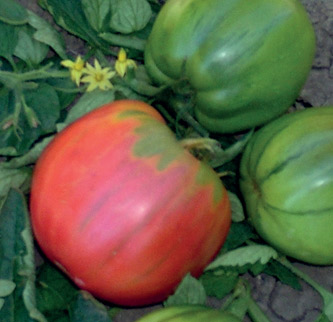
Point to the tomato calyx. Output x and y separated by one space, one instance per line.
202 147
182 87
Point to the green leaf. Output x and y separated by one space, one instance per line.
238 234
129 15
28 49
88 102
9 38
45 102
17 260
189 291
13 13
55 291
245 255
12 178
69 15
29 158
28 111
16 139
96 12
65 89
219 283
2 302
283 274
87 309
7 287
323 318
237 211
46 34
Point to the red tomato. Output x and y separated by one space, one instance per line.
123 209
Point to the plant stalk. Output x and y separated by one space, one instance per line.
124 41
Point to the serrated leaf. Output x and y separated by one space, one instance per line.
129 15
46 34
13 13
96 12
17 260
245 255
189 291
219 283
237 211
28 49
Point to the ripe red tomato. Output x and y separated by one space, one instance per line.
123 209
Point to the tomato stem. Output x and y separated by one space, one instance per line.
183 108
124 41
241 303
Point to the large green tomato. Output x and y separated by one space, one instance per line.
189 313
241 62
287 184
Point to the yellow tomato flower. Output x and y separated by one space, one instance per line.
76 68
97 77
122 63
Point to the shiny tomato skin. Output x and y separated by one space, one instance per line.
286 178
242 63
123 209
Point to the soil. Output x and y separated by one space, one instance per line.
280 302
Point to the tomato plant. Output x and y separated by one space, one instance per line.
241 63
189 313
287 184
123 209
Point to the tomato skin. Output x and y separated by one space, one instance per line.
287 184
245 61
123 209
188 313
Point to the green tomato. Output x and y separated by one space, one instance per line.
189 313
241 62
287 183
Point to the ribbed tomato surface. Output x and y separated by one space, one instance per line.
287 183
242 63
123 209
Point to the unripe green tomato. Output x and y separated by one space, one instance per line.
189 313
287 183
242 62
